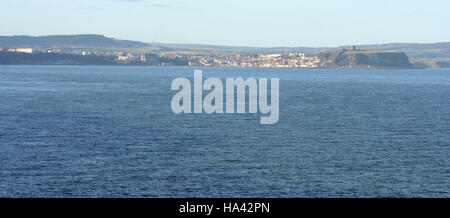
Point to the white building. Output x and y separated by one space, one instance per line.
270 55
122 58
21 50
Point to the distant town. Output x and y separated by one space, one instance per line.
94 49
287 60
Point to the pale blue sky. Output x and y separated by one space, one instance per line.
234 22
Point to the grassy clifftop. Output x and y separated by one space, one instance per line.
365 59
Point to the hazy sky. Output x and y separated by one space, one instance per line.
234 22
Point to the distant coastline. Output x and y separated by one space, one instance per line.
374 60
95 49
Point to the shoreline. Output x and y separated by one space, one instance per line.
138 65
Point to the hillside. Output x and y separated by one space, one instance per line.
88 40
415 51
15 58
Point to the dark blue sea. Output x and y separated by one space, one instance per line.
95 131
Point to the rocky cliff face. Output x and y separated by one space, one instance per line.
365 59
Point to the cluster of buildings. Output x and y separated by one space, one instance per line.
290 60
29 50
17 49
